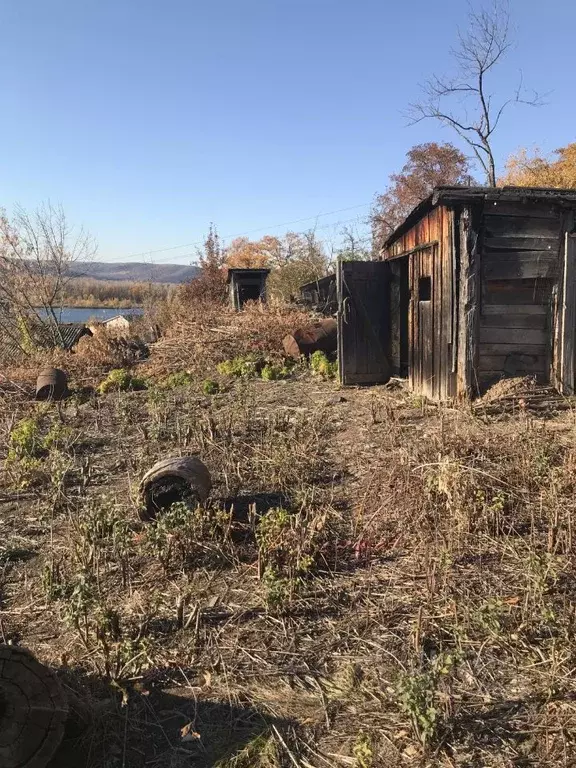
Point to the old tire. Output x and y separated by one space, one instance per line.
33 710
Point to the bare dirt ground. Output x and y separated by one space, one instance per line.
376 580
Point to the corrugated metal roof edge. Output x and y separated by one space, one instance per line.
456 194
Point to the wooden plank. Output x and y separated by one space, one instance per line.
474 246
508 320
516 243
437 316
468 297
412 337
520 309
535 210
568 316
519 336
517 291
454 267
426 334
525 363
507 226
526 266
445 263
506 349
395 317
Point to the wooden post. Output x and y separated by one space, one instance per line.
468 303
568 316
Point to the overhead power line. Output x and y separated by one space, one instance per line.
242 234
189 254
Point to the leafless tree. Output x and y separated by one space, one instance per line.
354 247
37 251
464 102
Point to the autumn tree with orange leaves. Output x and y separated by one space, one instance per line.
535 169
427 166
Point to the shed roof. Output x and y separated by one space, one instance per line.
128 318
71 333
236 272
326 280
455 195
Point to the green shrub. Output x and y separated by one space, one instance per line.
321 365
210 387
121 380
27 446
25 441
273 372
240 367
177 379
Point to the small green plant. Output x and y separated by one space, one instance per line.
275 371
210 387
289 545
418 695
25 449
240 367
102 535
25 441
79 603
322 366
363 751
121 380
177 379
183 533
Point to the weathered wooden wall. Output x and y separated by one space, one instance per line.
431 322
520 245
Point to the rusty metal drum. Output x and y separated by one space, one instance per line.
321 336
180 479
52 384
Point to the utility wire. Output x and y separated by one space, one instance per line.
243 234
171 259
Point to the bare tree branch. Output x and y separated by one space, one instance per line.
37 251
479 50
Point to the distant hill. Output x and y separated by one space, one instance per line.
138 272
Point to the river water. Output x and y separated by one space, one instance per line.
83 314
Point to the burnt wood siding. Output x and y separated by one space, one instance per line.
431 322
520 263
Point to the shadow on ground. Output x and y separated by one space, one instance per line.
163 728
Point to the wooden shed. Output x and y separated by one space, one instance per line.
247 285
320 295
477 284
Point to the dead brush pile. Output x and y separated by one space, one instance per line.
201 336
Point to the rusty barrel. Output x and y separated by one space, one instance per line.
321 336
181 479
52 384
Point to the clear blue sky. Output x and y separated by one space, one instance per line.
148 120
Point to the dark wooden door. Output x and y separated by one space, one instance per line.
422 300
363 322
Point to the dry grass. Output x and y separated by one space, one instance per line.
416 605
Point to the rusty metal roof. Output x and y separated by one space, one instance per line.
70 334
455 195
